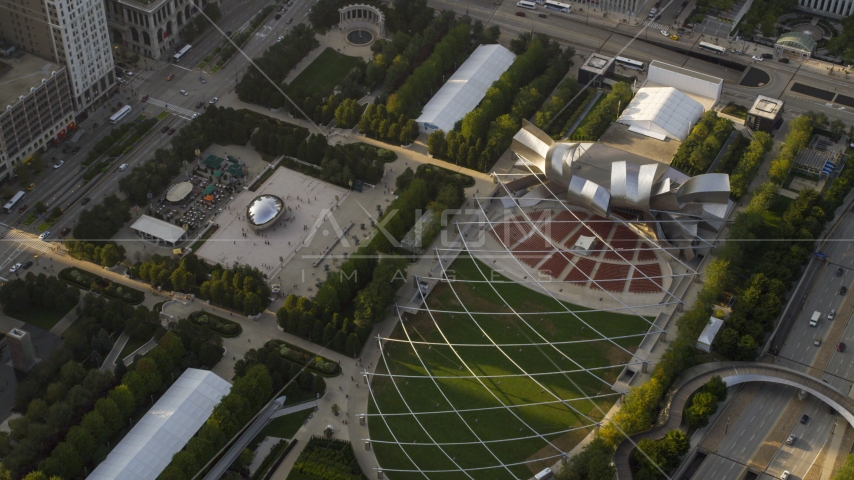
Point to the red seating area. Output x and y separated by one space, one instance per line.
646 253
556 264
641 284
510 232
560 226
581 272
532 250
611 277
625 241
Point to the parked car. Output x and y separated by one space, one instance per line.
805 419
199 104
164 129
213 100
27 264
15 267
85 200
58 164
120 80
520 14
31 186
170 77
75 150
791 440
65 231
171 131
767 55
44 235
840 347
278 16
757 58
543 15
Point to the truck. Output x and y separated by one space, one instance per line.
544 475
814 319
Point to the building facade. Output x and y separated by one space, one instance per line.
833 8
150 28
625 7
37 108
70 32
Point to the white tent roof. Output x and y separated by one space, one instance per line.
704 343
158 228
466 87
179 191
148 448
663 110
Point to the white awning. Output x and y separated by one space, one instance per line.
662 110
704 343
158 229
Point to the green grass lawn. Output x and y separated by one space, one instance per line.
552 419
285 426
130 347
774 214
325 72
163 114
41 318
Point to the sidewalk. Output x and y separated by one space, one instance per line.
110 361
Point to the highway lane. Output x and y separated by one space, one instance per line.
719 468
809 439
754 424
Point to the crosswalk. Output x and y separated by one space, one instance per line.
13 235
171 107
657 26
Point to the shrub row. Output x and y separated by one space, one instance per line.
703 144
327 459
314 362
566 91
98 284
220 326
598 120
800 133
748 165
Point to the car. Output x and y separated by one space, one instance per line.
785 475
15 267
170 77
676 14
680 30
31 186
783 60
203 79
120 80
144 98
674 37
183 92
123 167
840 272
767 56
21 210
65 231
58 164
44 235
657 18
665 33
840 347
75 150
543 15
128 73
27 264
171 131
228 33
289 21
196 114
843 290
164 129
213 100
520 14
831 411
757 58
85 200
685 4
805 419
280 39
278 16
831 314
199 104
791 440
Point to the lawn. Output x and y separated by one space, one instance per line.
132 346
163 114
324 73
285 426
41 318
560 422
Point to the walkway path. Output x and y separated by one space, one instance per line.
66 321
110 361
293 409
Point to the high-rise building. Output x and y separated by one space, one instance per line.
35 108
70 32
21 349
150 27
833 8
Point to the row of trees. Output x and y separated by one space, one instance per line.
320 104
763 15
661 454
197 26
486 132
566 91
241 287
280 139
748 164
169 273
771 255
276 62
705 402
103 220
378 122
41 292
799 136
607 111
342 163
703 144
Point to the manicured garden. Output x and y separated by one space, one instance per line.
220 326
324 73
485 397
327 459
100 285
295 354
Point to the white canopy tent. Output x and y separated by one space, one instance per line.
662 110
704 343
165 429
465 89
159 231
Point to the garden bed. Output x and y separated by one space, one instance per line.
98 284
220 326
315 363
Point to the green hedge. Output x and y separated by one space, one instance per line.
327 459
100 285
220 326
321 365
703 144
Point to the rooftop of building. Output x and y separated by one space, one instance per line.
766 107
619 136
19 75
797 40
597 63
686 71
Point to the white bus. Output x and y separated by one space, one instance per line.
629 63
14 201
557 6
120 114
712 48
528 5
177 57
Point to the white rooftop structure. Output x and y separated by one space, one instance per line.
159 231
662 110
704 343
465 89
165 429
698 86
